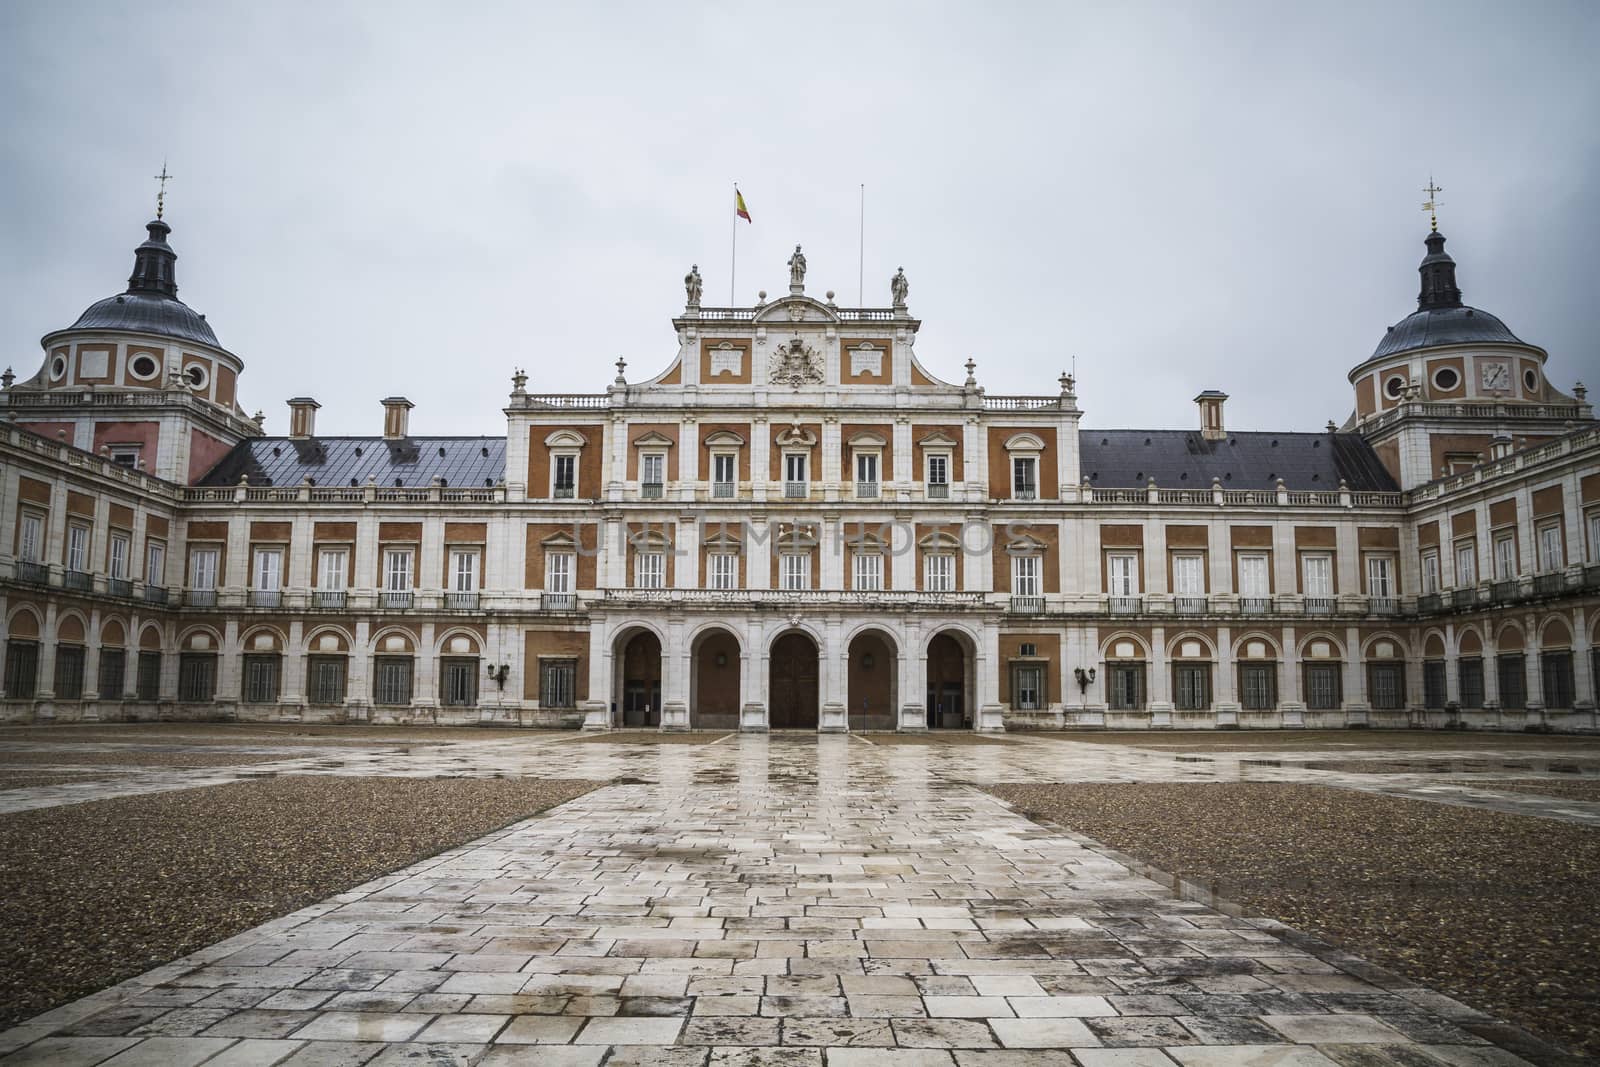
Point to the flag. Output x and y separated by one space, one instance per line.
738 205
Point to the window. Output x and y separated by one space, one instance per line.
1505 557
148 683
652 474
868 575
1318 576
564 476
1551 556
125 456
69 672
460 682
113 672
77 548
1555 669
1433 684
724 474
22 669
1380 577
1025 576
1125 686
558 572
794 474
117 565
939 573
556 683
1466 565
1189 582
333 569
1594 536
1122 573
1254 584
650 570
1470 672
30 538
867 474
155 564
1430 572
464 570
203 568
1511 672
1386 687
795 571
1191 686
1024 477
1324 687
325 679
1258 686
938 476
269 569
391 680
397 570
724 570
197 676
1027 687
261 675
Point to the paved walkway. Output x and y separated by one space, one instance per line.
792 900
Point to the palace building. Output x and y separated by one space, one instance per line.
794 523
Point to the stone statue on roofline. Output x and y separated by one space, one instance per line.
692 285
797 270
899 287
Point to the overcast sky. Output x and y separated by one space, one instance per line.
397 198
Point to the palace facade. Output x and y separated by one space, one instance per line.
796 524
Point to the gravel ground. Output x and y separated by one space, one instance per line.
1567 789
952 737
1330 740
153 757
651 737
214 733
1498 910
98 892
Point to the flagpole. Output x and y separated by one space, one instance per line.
733 256
861 262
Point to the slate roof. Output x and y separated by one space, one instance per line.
410 462
1444 326
144 313
1182 459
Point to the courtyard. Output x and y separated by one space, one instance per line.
233 894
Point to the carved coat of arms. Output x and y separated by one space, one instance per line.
796 364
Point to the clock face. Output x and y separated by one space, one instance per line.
1495 376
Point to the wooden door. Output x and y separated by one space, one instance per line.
792 688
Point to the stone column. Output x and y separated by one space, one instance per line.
292 689
1160 685
913 661
989 715
597 708
833 660
1582 673
1355 684
675 678
755 665
425 690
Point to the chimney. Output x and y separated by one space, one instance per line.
303 417
396 413
1211 426
1500 445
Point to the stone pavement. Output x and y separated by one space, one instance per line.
786 900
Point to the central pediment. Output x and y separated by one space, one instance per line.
791 309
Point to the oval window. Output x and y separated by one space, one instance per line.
195 375
1446 379
143 367
1394 387
1530 380
58 368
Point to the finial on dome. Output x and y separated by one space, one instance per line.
1431 205
161 192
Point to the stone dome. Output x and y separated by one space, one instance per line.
1441 318
150 304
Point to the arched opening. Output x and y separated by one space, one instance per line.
792 682
872 681
640 668
714 684
948 700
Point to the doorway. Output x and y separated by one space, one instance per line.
792 683
641 681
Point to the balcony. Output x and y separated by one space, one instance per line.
82 581
155 594
396 600
1125 605
1550 584
329 599
119 587
36 573
1591 576
1255 605
1383 605
1025 494
461 601
266 598
564 492
1191 605
1429 603
201 598
652 490
938 491
866 490
558 601
1319 605
1027 605
1506 590
723 490
796 490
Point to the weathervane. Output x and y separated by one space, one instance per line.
1431 205
161 194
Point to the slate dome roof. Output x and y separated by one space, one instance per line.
150 304
1441 318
